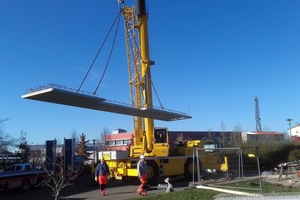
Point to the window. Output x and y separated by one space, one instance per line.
126 141
209 147
109 143
18 168
160 136
11 168
27 167
119 142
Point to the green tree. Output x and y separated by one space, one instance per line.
294 155
24 149
81 147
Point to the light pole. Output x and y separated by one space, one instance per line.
94 151
289 120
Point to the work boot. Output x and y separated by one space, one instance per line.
103 193
139 192
144 193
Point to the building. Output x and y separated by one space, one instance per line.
262 136
295 133
38 152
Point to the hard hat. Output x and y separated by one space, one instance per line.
142 156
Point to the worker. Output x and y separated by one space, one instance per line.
142 172
101 174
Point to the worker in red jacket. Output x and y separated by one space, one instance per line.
101 175
142 172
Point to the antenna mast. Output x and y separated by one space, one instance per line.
257 116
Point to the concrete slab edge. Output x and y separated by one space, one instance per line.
228 191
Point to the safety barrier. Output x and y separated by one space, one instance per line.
243 172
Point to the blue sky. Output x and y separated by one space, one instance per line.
211 59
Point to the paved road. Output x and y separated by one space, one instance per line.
117 190
84 190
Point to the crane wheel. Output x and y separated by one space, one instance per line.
152 171
188 169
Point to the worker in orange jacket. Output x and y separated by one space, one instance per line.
142 172
101 175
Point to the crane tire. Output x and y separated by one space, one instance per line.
188 169
152 171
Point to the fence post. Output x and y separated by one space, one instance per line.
193 166
258 167
198 164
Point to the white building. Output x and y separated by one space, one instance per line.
295 132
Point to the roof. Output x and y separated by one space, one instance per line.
66 96
115 136
264 133
298 125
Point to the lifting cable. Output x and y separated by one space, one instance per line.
157 95
117 17
110 53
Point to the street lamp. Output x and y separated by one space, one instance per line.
94 150
289 120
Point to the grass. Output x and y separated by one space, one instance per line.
194 194
191 194
266 187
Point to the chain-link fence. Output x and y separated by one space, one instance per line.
231 168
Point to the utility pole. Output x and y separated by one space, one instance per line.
257 116
95 161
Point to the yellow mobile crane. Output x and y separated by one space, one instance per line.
162 159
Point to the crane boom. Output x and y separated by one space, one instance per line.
139 72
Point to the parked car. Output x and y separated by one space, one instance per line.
21 167
22 176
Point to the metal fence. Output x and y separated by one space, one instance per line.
243 169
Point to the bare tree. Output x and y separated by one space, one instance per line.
104 135
223 134
5 139
77 141
210 135
59 179
236 136
75 136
